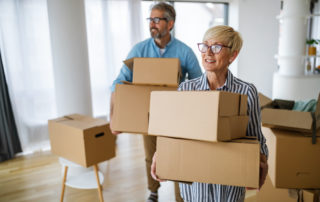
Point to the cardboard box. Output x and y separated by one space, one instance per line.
230 163
81 139
294 162
287 119
131 107
268 193
155 71
311 195
201 115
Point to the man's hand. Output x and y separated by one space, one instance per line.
112 131
153 169
115 132
111 114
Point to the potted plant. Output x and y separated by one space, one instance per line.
312 50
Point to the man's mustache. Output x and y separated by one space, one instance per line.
153 28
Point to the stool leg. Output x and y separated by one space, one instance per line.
98 181
64 183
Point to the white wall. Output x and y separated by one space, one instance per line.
257 23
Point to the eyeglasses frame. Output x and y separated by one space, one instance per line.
153 20
210 47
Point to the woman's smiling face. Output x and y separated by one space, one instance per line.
214 62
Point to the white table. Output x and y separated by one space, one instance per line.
80 177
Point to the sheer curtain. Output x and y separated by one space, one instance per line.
28 68
113 26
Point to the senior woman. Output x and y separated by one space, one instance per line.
220 47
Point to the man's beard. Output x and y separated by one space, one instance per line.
158 34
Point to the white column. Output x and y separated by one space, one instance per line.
70 56
292 39
290 82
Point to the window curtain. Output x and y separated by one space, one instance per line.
113 27
9 140
28 68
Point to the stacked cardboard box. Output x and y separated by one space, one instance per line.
311 195
191 126
294 161
81 139
288 119
268 193
132 100
200 115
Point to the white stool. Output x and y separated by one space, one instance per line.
81 177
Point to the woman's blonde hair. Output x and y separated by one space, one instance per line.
225 34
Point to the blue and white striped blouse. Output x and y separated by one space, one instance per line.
202 192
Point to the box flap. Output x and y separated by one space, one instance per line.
129 63
287 119
229 103
249 140
127 82
80 121
156 71
243 105
232 127
264 100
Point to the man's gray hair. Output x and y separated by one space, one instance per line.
169 12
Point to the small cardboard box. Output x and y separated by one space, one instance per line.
131 107
311 195
230 163
81 139
268 193
155 71
294 162
287 119
201 115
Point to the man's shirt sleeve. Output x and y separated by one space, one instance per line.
125 73
194 70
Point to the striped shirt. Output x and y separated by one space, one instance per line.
202 192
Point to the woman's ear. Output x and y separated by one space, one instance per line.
233 56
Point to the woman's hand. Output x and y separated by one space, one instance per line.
263 171
153 169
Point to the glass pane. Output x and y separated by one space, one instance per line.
191 28
146 8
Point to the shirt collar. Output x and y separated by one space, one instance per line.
227 84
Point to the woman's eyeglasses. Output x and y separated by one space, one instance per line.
216 48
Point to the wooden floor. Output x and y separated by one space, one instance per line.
38 177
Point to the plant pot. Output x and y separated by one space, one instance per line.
312 50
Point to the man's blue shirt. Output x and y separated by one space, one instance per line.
174 49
